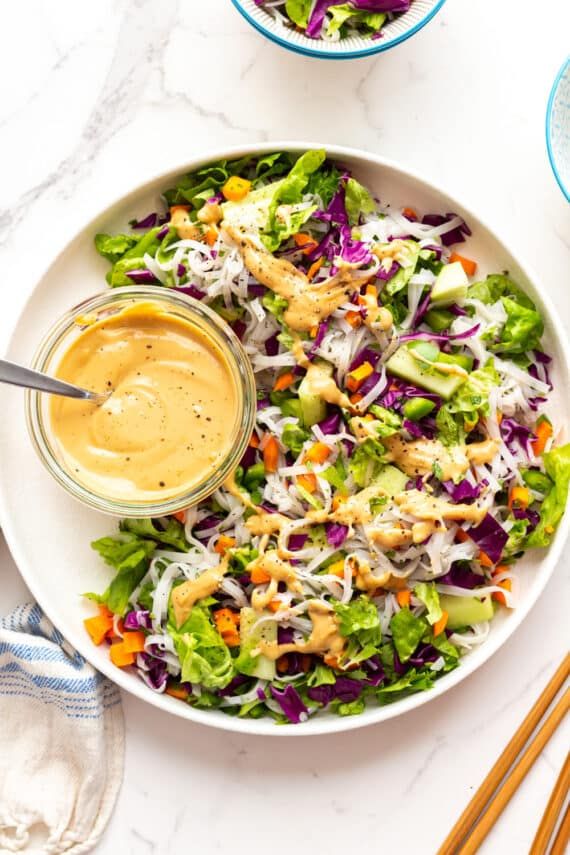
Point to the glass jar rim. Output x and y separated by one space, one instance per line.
238 362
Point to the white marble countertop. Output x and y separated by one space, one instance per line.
106 93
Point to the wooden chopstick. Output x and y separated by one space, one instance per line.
505 761
505 793
552 811
562 835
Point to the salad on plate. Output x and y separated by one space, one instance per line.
404 456
330 20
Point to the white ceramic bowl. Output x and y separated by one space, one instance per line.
49 532
558 128
398 30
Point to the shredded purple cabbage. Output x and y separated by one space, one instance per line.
290 702
490 536
433 336
138 619
331 424
456 235
336 534
191 291
462 577
143 277
462 491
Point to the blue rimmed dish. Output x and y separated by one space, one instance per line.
558 128
399 29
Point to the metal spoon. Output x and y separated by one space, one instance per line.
17 375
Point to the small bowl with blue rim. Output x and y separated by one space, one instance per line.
333 29
558 128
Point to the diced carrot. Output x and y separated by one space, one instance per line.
308 482
271 454
337 569
259 576
314 268
318 453
356 378
354 319
177 692
120 656
354 399
371 291
500 568
180 516
331 661
232 639
440 624
224 543
404 598
409 213
305 241
519 497
211 236
484 559
282 664
227 622
461 535
133 641
498 596
175 208
313 331
275 605
543 433
469 266
98 627
235 189
254 441
499 417
284 381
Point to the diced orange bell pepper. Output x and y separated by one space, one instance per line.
485 560
259 576
308 482
519 497
254 441
543 433
133 641
98 627
469 266
440 624
318 453
223 543
498 596
120 656
337 569
404 598
177 692
409 213
284 381
235 189
180 516
354 319
271 454
211 235
355 378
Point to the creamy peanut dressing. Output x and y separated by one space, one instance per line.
396 250
168 422
185 596
319 382
325 638
364 578
353 510
419 456
443 367
278 571
427 507
309 303
234 490
266 523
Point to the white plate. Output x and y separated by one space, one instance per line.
49 532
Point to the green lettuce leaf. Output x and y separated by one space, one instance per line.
450 428
282 223
294 437
324 183
407 632
275 304
366 462
130 555
196 187
521 331
298 11
172 535
557 465
357 199
113 247
386 422
204 656
359 619
344 13
412 681
498 285
472 397
427 594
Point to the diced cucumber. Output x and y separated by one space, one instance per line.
402 364
439 319
427 349
416 408
460 359
254 476
463 611
392 480
536 480
313 408
259 666
450 285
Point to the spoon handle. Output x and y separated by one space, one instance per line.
17 375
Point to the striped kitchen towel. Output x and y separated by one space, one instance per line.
61 741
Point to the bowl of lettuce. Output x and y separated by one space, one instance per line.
332 30
400 506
